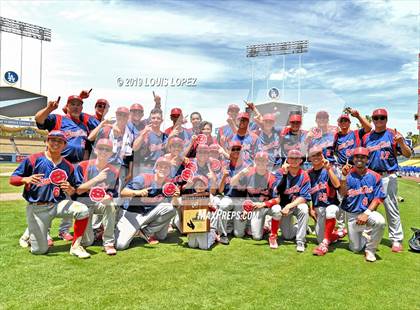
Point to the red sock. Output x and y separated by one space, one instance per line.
274 226
329 227
79 228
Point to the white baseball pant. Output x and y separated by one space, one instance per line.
390 183
108 210
298 230
258 220
39 219
323 213
155 222
369 235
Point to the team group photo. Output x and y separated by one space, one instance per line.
136 168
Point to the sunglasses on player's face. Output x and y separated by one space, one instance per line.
101 105
381 117
295 123
236 149
344 120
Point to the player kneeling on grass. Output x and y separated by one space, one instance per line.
199 190
100 184
362 190
292 186
48 178
324 185
258 181
149 212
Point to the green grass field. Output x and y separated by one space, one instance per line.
246 274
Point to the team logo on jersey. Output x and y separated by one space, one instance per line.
96 194
201 139
365 201
381 145
58 176
56 191
169 189
293 189
360 191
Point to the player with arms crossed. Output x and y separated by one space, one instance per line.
362 191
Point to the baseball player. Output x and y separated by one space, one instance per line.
346 140
195 119
231 196
149 145
362 190
324 185
48 178
292 185
149 211
225 133
292 137
259 183
122 140
384 146
202 137
203 240
177 130
101 109
269 139
76 126
322 136
99 188
247 139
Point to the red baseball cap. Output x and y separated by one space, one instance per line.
243 115
361 151
315 150
104 101
203 148
269 117
233 107
262 155
380 112
104 142
235 143
200 178
294 154
176 111
137 107
346 116
57 134
322 114
74 97
122 110
295 118
163 160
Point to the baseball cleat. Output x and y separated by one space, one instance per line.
370 256
321 249
149 239
272 240
65 236
79 251
397 247
24 242
224 240
110 250
300 246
